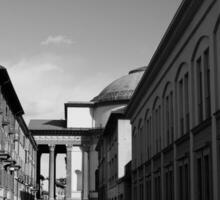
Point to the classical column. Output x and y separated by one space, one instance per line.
51 172
69 172
85 173
39 153
55 178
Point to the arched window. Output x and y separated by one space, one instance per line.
201 66
134 148
147 134
157 125
168 113
182 98
140 143
217 60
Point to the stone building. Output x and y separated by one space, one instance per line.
114 149
175 110
17 146
82 126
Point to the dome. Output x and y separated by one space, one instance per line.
122 88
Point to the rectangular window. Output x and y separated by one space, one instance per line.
183 180
141 192
180 182
186 177
157 185
148 188
169 187
199 179
206 178
204 182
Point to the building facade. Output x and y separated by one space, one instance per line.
83 124
175 111
17 146
114 150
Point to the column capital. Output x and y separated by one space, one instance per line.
69 147
85 148
52 147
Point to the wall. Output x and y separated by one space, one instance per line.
124 145
79 117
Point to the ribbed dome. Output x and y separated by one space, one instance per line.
122 88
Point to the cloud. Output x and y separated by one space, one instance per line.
57 40
45 82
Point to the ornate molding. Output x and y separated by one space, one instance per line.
53 140
51 147
69 147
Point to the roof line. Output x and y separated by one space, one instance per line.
184 14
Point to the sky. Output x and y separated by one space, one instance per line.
58 51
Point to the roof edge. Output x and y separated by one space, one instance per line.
10 93
184 13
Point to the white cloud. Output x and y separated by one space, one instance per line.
45 82
56 40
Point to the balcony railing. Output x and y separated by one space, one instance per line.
4 155
11 130
5 121
16 138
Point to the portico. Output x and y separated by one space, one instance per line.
63 141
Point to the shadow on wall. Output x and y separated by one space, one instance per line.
26 196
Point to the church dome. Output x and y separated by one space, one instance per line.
122 88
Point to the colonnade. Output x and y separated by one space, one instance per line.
52 171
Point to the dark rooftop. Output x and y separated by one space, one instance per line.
50 124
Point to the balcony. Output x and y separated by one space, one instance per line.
16 136
9 162
13 167
4 155
11 130
21 178
5 121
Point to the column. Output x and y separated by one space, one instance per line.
55 178
68 172
51 172
39 153
85 173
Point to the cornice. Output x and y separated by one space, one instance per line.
176 29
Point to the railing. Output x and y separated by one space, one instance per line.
11 130
5 121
